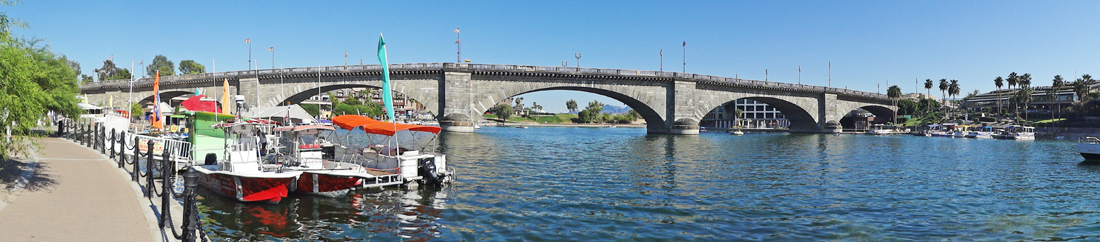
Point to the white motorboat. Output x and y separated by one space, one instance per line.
1017 133
241 175
1089 147
879 129
737 132
401 163
305 148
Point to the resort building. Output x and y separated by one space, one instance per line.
753 115
1041 99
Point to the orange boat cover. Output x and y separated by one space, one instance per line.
372 126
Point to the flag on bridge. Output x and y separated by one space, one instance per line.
157 123
387 98
685 43
273 48
248 41
456 30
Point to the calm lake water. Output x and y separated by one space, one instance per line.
559 183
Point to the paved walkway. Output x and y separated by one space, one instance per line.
76 194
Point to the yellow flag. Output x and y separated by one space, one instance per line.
225 96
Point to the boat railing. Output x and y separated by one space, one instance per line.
180 150
1089 140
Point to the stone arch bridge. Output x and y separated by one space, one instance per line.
458 93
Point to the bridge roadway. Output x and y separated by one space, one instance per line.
458 93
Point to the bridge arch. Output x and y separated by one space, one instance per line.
648 98
164 96
648 114
799 117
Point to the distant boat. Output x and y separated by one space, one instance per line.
737 132
1017 133
521 127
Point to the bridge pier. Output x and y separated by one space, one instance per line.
457 97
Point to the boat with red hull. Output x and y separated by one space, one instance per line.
304 148
259 187
242 175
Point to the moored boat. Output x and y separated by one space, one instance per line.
1017 133
1089 147
242 175
390 160
305 149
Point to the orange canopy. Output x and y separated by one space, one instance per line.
372 126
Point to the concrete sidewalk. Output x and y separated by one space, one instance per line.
76 194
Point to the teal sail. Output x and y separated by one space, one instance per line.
387 97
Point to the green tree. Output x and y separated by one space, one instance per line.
162 64
1013 79
571 105
999 82
312 109
33 80
191 67
907 107
503 111
1081 88
595 107
894 92
634 115
136 110
108 70
352 101
584 116
1025 83
928 86
1052 93
943 89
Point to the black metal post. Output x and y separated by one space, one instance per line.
137 155
149 185
112 143
80 134
190 216
122 150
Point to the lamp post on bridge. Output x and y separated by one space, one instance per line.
272 49
578 55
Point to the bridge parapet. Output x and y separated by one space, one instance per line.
706 79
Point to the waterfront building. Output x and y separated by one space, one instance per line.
754 114
1040 102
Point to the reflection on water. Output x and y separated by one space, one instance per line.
622 184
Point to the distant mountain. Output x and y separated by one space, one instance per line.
608 108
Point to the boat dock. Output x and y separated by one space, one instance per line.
69 192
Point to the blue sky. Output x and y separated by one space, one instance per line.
868 42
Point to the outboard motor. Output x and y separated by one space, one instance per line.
211 159
428 172
328 151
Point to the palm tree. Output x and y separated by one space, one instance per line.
1081 88
943 90
1056 84
1012 79
928 86
953 89
894 92
1025 83
999 82
1023 96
